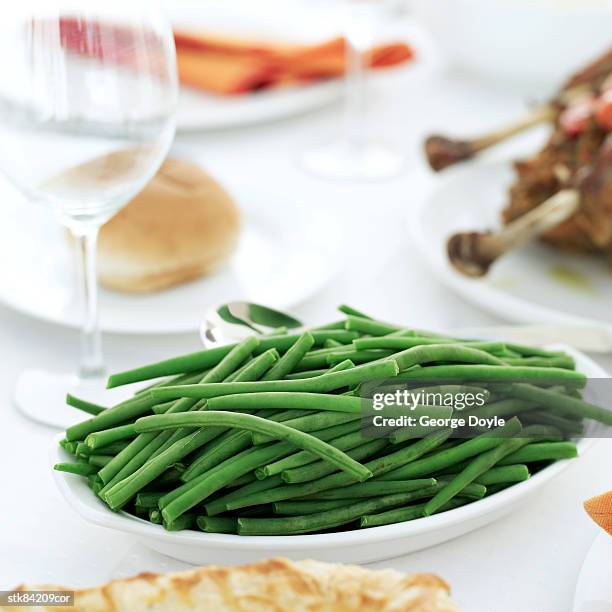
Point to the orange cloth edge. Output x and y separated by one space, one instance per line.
599 508
272 64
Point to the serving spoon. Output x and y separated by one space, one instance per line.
235 320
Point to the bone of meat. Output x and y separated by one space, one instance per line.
473 253
443 151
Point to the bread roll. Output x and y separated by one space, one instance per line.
181 226
277 585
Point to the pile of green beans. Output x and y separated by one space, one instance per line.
264 437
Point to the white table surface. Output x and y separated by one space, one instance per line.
529 561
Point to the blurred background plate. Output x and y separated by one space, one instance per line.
532 45
284 256
594 587
274 20
533 284
200 111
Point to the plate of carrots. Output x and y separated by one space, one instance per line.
238 66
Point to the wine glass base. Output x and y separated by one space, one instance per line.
41 396
345 161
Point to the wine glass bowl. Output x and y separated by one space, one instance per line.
87 115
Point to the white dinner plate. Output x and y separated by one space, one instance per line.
284 256
267 20
532 284
357 546
594 587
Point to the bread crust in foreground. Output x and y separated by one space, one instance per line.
277 585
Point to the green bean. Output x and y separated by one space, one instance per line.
182 379
299 507
541 451
161 408
409 513
472 491
108 472
376 489
98 439
565 404
229 442
326 357
81 469
292 357
532 351
256 368
352 312
224 446
208 358
501 408
509 473
216 451
377 466
130 409
113 449
444 459
148 499
347 364
319 469
82 450
69 447
84 405
191 493
369 326
349 437
150 446
496 373
568 426
407 342
359 357
185 521
564 361
331 343
217 524
320 384
477 467
314 421
155 517
99 461
122 491
327 519
170 477
306 374
259 425
498 475
217 505
418 355
287 401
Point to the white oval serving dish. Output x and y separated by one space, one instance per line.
357 546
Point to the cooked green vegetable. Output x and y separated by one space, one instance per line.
265 436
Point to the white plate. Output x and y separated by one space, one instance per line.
267 20
284 256
594 588
522 286
360 546
201 111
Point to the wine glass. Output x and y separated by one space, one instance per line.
355 154
88 94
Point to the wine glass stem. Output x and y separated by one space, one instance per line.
355 120
92 362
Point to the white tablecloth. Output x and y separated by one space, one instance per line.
528 561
